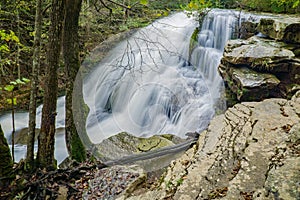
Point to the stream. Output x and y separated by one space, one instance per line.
151 83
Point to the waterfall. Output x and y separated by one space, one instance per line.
147 85
150 83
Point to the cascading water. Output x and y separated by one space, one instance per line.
21 122
148 85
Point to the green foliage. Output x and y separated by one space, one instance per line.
17 20
199 8
276 6
13 86
179 181
144 2
6 40
199 5
9 88
12 101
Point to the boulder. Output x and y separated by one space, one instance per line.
124 144
248 29
285 28
259 68
250 152
260 54
21 135
248 84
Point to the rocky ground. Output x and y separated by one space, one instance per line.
250 152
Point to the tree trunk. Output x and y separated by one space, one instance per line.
72 64
34 84
45 157
6 164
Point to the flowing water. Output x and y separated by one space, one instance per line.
150 83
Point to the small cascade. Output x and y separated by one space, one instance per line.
217 28
143 94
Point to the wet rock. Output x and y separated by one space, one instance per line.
250 152
21 135
281 28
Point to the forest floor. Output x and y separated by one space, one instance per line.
89 180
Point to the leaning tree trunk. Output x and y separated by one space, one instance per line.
45 156
34 84
72 64
6 164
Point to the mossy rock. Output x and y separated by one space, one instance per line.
124 144
154 142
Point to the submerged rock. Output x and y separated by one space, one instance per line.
250 152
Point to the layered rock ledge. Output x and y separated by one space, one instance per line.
264 67
250 152
259 68
285 28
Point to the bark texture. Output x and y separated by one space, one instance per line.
46 139
72 64
34 84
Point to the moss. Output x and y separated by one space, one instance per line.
179 181
168 136
194 40
78 150
154 142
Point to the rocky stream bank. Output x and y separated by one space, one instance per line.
253 150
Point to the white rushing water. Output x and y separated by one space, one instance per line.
149 84
21 122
